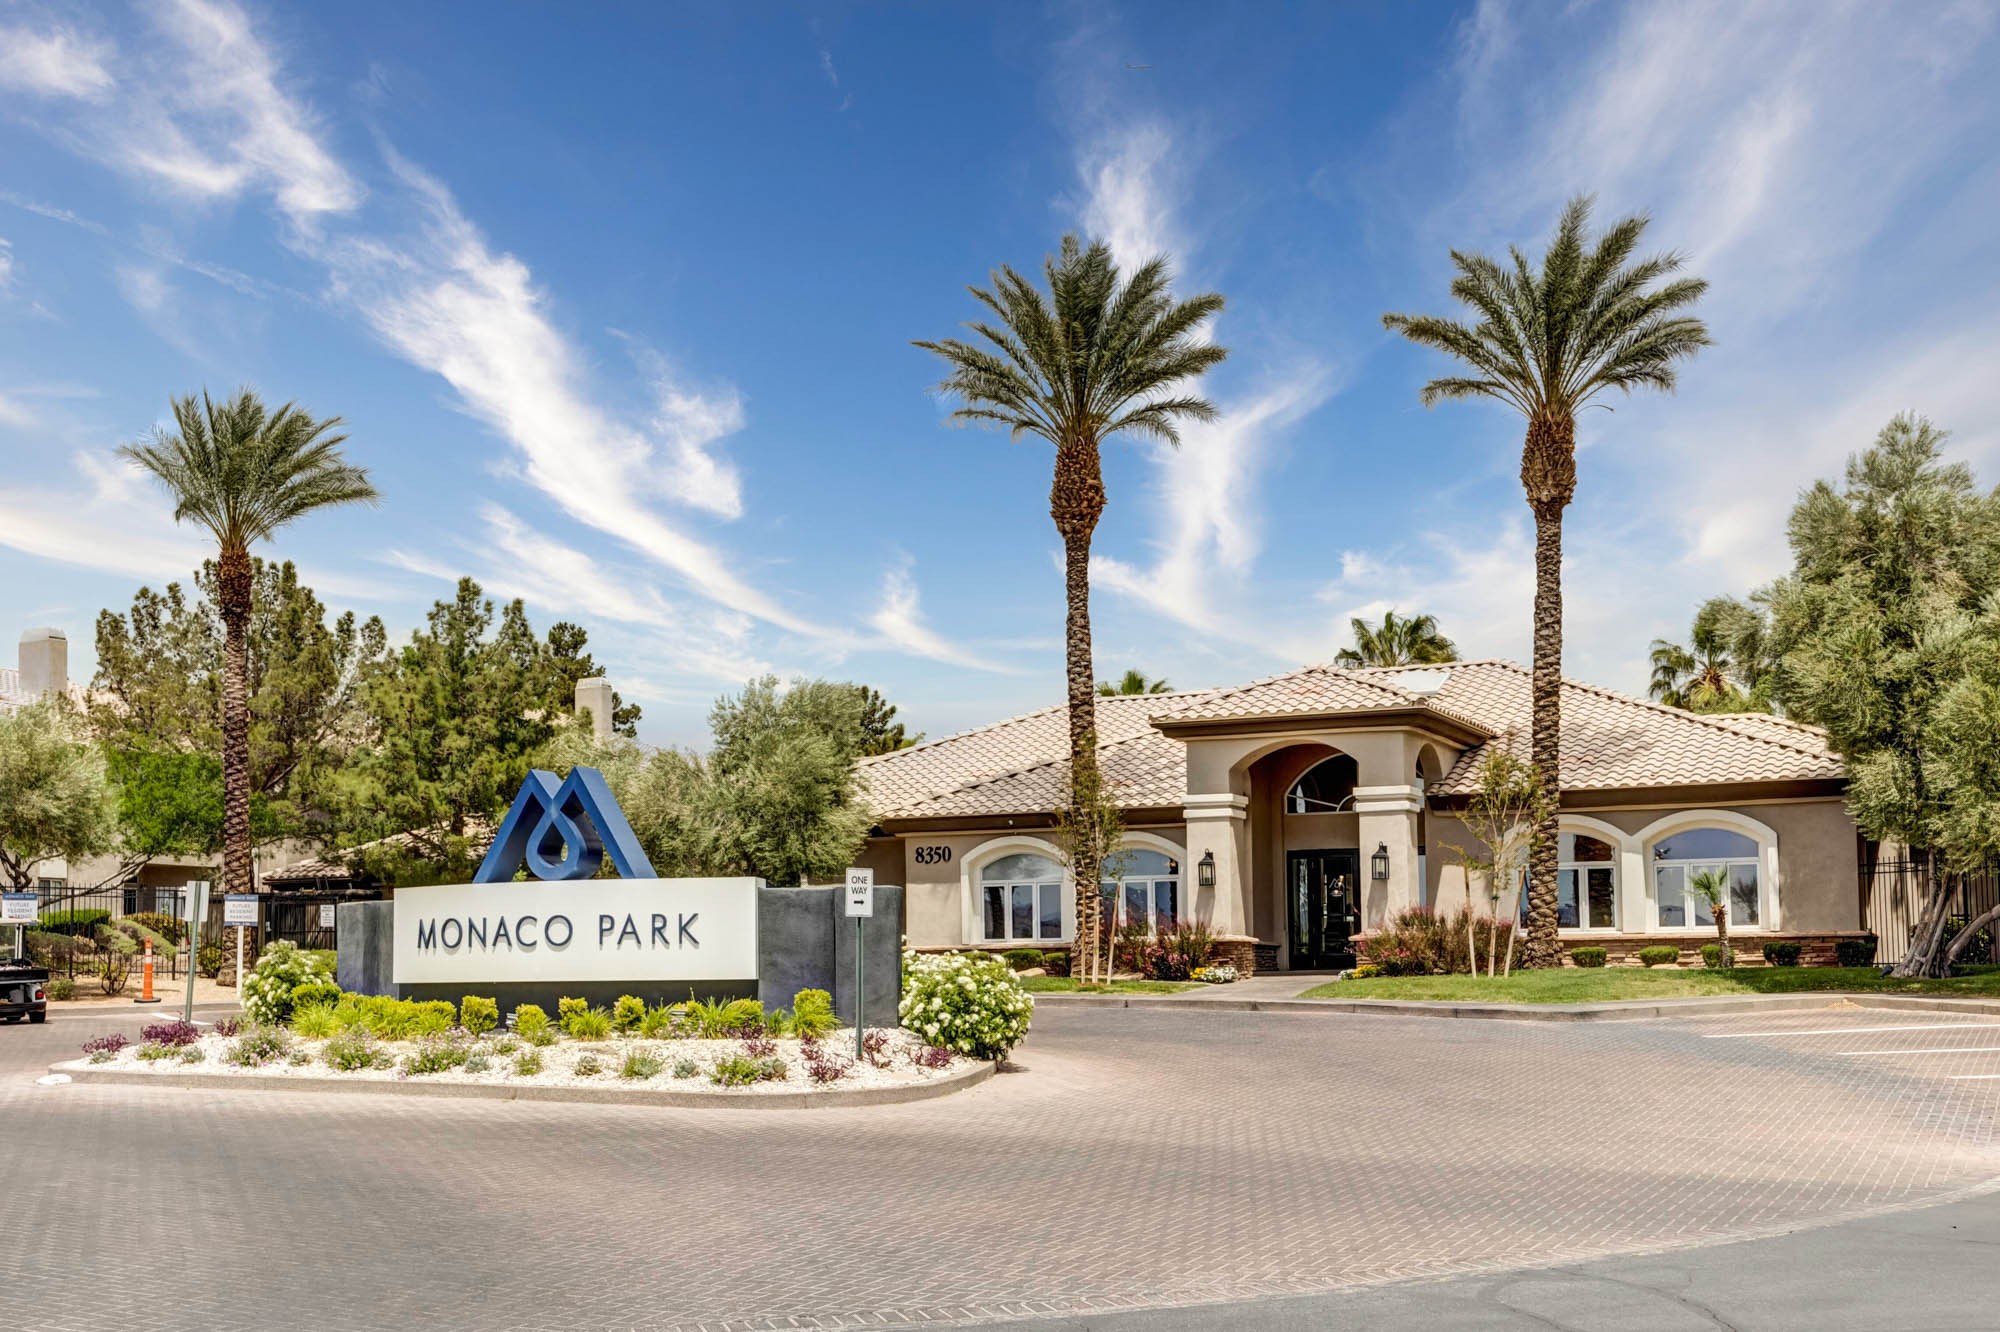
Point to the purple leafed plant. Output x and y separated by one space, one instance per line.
175 1032
931 1056
227 1027
822 1067
875 1044
110 1045
759 1047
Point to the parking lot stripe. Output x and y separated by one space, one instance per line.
1846 1031
1935 1049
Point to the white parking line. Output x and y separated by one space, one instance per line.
1937 1049
1843 1031
1971 1077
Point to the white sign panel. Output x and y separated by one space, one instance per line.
239 909
861 892
326 916
19 908
579 930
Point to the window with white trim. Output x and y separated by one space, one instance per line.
1586 883
1691 851
1147 890
1325 788
1020 897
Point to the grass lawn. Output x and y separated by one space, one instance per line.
1064 985
1576 985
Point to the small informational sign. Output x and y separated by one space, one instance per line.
861 892
239 909
326 910
19 908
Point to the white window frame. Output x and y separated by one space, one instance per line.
1766 860
972 892
1616 841
1344 807
1175 855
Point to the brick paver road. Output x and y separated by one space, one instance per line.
1143 1157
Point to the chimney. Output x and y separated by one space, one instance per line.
593 699
44 663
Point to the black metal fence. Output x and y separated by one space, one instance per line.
306 919
1893 894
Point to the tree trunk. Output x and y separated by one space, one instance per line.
1964 938
233 594
1722 935
1548 473
1076 501
1925 957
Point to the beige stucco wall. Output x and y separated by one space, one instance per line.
935 892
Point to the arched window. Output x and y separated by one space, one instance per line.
1689 852
1326 788
1147 890
1587 883
1021 897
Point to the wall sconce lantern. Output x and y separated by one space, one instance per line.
1378 864
1204 870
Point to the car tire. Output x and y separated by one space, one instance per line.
38 1017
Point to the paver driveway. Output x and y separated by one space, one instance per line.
1144 1157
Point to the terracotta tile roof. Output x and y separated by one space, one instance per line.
1610 740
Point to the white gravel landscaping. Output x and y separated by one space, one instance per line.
892 1065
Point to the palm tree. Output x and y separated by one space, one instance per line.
1712 886
243 471
1132 682
1414 641
1547 343
1095 357
1721 670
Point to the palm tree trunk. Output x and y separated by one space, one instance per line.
1548 471
1076 501
233 594
1722 935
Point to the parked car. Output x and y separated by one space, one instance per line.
24 991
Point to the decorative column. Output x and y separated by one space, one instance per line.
1388 822
1218 824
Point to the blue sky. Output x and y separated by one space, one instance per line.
617 303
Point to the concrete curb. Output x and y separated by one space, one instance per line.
82 1071
1621 1011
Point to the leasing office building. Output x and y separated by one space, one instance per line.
1296 812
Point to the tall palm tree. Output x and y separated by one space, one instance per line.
1723 668
243 471
1095 357
1412 641
1548 342
1132 682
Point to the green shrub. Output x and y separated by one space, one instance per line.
528 1063
971 1003
812 1013
478 1063
315 1022
315 994
435 1055
60 988
741 1015
1782 954
77 921
1055 961
627 1013
778 1023
1711 956
434 1017
735 1071
686 1068
299 1058
478 1015
1659 955
703 1019
193 1054
589 1024
567 1008
141 935
1855 952
267 993
171 928
152 1050
640 1065
587 1066
660 1023
350 1052
530 1021
208 959
110 939
1021 959
1589 957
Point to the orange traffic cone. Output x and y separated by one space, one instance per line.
146 978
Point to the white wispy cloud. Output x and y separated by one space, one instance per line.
6 264
1131 176
53 62
899 620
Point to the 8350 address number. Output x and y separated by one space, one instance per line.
933 855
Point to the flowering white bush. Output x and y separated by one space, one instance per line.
1220 974
969 1002
284 967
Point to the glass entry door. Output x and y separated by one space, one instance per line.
1323 907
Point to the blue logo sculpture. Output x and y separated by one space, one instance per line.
562 830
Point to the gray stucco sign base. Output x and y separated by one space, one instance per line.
803 943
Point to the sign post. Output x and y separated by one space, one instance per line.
860 898
240 910
19 910
197 905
